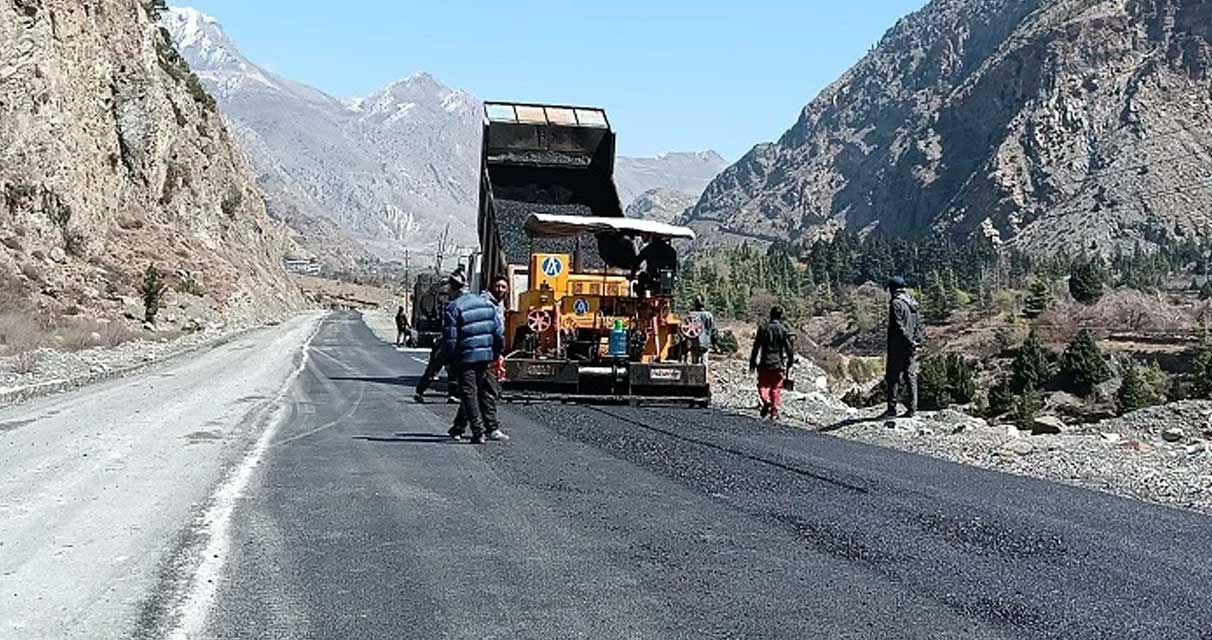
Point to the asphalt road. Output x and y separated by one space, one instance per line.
361 521
321 503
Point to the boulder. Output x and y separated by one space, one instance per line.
57 254
1113 438
1064 402
1173 434
1043 425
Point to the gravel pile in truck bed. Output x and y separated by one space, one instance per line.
511 218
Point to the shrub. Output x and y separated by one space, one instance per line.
945 381
189 284
26 362
1026 407
74 243
232 201
1083 364
152 290
1032 366
727 343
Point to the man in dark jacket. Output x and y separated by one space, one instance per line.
403 331
473 337
700 346
656 256
772 357
906 333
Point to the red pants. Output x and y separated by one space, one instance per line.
770 390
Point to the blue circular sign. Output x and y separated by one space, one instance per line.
581 306
552 266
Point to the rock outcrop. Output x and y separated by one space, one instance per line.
662 205
113 157
1057 124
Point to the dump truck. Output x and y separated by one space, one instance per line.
577 325
429 297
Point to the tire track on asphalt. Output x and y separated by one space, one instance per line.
856 488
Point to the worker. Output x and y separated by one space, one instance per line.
657 256
772 357
701 345
473 337
496 295
403 331
906 334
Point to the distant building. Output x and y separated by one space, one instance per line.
307 266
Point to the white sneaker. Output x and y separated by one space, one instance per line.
497 435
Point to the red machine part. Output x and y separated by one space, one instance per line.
692 328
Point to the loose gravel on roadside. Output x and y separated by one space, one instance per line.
47 371
1160 454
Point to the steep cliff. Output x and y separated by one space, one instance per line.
113 157
1055 123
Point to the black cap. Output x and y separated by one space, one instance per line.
457 279
897 283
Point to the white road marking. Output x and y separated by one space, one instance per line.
196 606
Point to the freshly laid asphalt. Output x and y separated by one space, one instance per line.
363 521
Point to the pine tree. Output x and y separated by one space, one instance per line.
1088 279
938 302
1001 397
1032 366
1083 364
1026 407
152 290
1039 298
1202 369
1205 292
1134 393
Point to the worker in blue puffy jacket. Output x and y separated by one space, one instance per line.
473 337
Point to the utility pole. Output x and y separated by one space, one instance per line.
443 248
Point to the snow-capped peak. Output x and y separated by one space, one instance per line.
188 26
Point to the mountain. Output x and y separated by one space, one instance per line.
677 171
377 175
1050 123
113 157
390 171
661 205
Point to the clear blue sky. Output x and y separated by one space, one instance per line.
674 75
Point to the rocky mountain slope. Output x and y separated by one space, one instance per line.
662 205
383 173
113 157
688 172
389 171
1056 123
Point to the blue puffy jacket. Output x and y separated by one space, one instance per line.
473 331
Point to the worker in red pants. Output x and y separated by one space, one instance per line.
772 357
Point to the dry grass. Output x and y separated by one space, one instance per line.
26 363
84 334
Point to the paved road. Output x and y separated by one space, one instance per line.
350 516
659 523
99 486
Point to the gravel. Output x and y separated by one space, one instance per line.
54 371
1160 454
511 224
